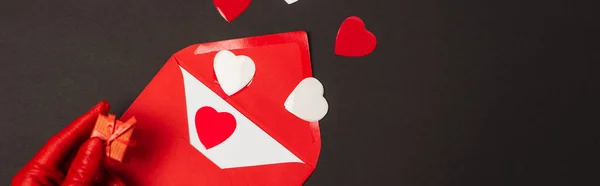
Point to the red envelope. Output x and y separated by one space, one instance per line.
191 133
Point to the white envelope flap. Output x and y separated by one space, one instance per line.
238 142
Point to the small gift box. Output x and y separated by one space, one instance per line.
116 133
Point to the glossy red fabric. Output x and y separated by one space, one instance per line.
47 167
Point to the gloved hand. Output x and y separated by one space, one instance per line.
60 156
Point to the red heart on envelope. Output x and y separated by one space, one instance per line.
353 39
213 127
269 145
231 9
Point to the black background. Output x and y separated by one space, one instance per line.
457 92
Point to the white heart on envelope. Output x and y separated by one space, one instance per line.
306 101
233 72
290 1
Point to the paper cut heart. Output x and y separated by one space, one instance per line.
306 101
233 72
214 127
231 9
290 1
353 39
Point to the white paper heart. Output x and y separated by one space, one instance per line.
290 1
306 101
233 72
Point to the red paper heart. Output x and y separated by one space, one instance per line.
231 9
353 39
213 127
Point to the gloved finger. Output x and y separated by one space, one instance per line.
86 165
111 179
36 176
58 147
66 164
107 178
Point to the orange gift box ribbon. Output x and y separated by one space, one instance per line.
116 134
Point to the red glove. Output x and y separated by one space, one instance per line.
85 168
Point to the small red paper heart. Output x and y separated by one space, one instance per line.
353 39
214 127
231 9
